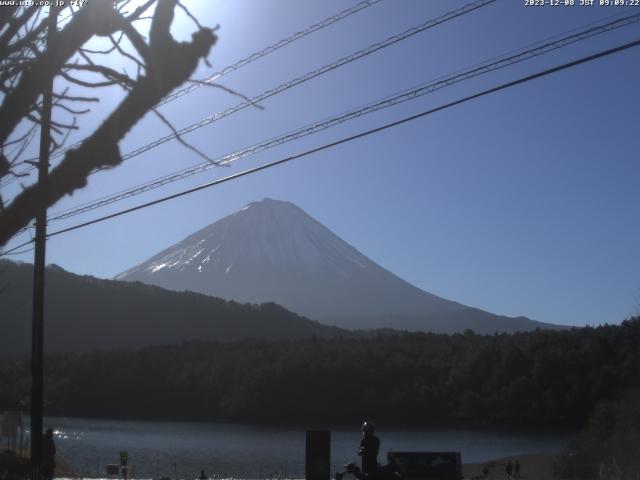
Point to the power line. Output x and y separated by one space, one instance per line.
350 138
12 252
442 82
240 63
470 7
271 48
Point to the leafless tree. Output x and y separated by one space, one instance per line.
27 65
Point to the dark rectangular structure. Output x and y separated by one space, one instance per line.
428 465
318 455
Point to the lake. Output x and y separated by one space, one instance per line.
247 451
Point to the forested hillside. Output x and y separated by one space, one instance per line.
543 377
84 313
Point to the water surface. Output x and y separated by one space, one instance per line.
158 449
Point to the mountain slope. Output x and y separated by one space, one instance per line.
273 251
85 313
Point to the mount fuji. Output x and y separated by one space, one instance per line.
272 251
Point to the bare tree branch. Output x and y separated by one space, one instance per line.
136 15
75 98
71 110
96 18
24 41
181 140
190 15
136 40
104 52
15 23
168 64
83 83
229 91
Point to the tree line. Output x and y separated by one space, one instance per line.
608 446
421 379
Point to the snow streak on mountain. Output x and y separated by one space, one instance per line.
272 251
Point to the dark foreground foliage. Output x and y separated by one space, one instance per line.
543 377
13 467
610 445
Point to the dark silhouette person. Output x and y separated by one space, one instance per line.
48 455
369 446
509 468
516 469
202 475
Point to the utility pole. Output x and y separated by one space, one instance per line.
37 332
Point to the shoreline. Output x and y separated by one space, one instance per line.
538 466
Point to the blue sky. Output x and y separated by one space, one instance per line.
524 202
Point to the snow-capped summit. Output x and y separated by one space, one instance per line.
272 251
264 236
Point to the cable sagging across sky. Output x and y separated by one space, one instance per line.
306 77
424 89
235 66
468 8
503 86
271 48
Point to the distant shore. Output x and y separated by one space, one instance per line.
536 466
19 464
